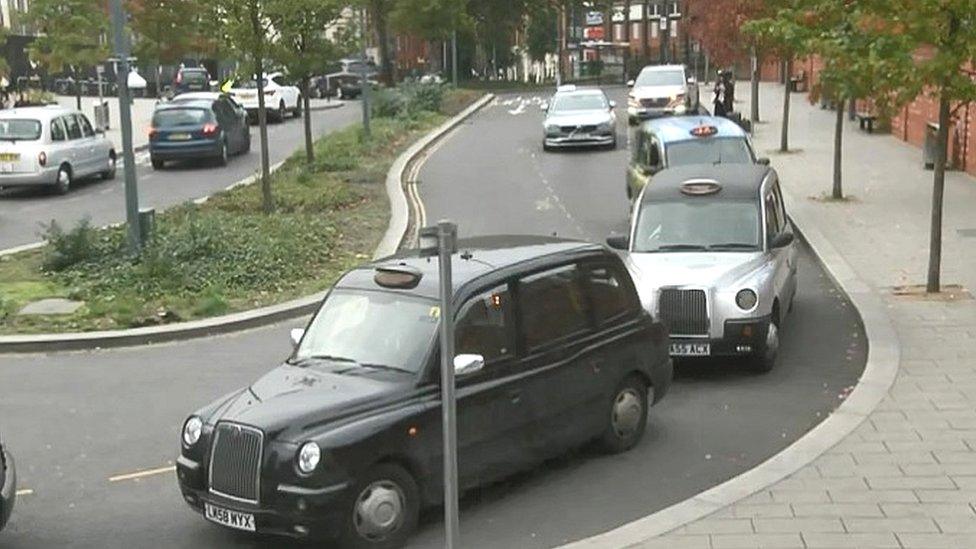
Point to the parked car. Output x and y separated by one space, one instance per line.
683 141
191 79
713 255
280 97
341 85
344 441
212 96
579 118
662 90
53 147
8 485
210 125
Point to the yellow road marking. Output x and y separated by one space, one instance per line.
25 492
143 474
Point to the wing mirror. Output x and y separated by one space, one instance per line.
613 104
544 107
468 364
618 241
764 160
782 240
630 83
692 81
296 336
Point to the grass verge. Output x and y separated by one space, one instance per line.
224 255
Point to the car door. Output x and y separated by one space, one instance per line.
647 161
557 359
780 257
60 146
76 147
491 441
789 252
97 150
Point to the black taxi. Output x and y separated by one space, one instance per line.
8 485
343 440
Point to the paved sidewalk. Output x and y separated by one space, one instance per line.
906 477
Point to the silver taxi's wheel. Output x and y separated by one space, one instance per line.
765 359
627 416
379 510
63 183
385 509
110 172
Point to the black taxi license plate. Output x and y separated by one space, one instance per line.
684 348
232 519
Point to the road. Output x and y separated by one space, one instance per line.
22 211
96 433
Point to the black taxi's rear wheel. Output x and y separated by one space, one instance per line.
385 507
626 416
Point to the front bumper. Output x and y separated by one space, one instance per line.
46 176
288 510
741 337
586 140
644 113
9 492
200 148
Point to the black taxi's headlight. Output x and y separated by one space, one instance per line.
191 430
308 457
746 299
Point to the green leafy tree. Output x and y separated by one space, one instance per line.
541 32
169 30
247 26
302 47
72 36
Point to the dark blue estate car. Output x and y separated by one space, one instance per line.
198 126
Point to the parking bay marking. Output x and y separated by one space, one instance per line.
142 474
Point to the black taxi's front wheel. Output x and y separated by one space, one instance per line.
385 507
627 416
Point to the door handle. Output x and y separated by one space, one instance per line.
515 396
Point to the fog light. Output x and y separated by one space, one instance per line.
190 498
747 331
743 348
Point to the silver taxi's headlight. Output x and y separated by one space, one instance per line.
604 126
191 430
746 299
551 128
308 457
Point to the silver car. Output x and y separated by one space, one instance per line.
52 147
661 90
579 118
713 256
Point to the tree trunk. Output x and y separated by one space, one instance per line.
784 140
838 192
267 201
646 38
934 283
307 118
382 40
78 88
627 68
754 87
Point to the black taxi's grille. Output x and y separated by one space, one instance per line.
684 312
235 461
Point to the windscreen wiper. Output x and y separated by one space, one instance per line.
733 245
303 361
679 247
384 367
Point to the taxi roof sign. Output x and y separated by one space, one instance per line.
566 88
700 187
397 276
704 131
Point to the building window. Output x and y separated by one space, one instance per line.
675 10
674 29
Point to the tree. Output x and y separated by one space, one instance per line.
782 32
302 46
72 36
247 26
378 12
169 30
933 45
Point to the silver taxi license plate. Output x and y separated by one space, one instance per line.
233 519
690 349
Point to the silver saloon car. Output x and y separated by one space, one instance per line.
579 118
51 147
713 256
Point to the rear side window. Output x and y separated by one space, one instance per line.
552 305
170 118
20 129
610 294
72 127
57 130
86 127
195 77
484 325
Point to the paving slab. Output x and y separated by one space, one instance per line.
51 306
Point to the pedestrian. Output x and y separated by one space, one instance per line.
719 96
729 91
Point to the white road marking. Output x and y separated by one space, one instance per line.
143 474
25 492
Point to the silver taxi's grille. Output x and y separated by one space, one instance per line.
684 312
585 129
235 462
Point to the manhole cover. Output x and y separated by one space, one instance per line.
971 233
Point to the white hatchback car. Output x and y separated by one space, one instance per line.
51 146
280 98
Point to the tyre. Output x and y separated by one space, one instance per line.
157 164
383 509
247 144
109 174
626 416
339 94
223 155
764 359
63 182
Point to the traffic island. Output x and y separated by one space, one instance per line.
221 257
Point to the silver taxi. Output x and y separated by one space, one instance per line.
51 146
713 256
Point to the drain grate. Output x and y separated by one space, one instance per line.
967 233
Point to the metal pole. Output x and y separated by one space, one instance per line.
454 67
447 237
125 118
365 82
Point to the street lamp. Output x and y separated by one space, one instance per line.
441 241
125 118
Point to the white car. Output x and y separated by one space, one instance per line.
280 98
714 258
52 146
661 90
